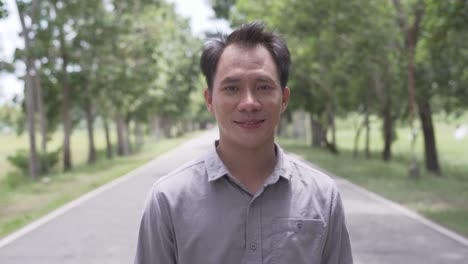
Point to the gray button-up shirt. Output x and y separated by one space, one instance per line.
200 214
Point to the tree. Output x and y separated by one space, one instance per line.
34 166
411 33
51 60
87 47
110 60
441 68
445 54
160 63
335 45
361 56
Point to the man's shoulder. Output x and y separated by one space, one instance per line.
188 175
308 173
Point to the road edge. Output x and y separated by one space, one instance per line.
405 211
82 199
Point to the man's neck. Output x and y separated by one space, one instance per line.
251 166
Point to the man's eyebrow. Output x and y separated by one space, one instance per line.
230 80
264 79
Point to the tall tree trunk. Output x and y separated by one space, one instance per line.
40 108
318 134
411 36
327 87
37 88
156 128
331 124
367 125
66 100
120 136
34 165
384 95
414 168
387 130
108 140
166 123
138 135
299 129
356 140
67 163
430 147
90 125
364 124
127 142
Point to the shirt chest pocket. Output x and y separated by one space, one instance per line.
297 240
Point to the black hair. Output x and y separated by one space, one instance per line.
248 35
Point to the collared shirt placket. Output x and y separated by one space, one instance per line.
253 224
253 228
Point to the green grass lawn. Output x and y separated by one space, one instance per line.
79 146
442 199
30 200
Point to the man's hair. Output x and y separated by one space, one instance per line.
248 35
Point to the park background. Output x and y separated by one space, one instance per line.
379 96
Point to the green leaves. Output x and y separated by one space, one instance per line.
3 11
134 60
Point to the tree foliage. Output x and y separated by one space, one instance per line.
361 56
109 60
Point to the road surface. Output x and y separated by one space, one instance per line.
101 227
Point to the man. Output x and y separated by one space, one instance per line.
245 201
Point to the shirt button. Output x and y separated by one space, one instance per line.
299 224
253 246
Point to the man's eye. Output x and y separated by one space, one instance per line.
264 87
230 88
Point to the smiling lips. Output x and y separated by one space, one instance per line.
250 124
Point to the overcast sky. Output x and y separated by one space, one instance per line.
198 11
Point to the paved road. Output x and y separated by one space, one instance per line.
101 227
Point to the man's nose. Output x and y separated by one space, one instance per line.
249 102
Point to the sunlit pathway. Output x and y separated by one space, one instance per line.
102 229
383 232
102 226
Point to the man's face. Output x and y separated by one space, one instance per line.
247 99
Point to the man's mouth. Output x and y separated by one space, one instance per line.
254 123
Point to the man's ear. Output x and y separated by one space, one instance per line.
285 99
208 100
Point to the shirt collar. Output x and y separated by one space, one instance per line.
216 169
214 166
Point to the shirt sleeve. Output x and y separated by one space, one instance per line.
337 246
156 243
